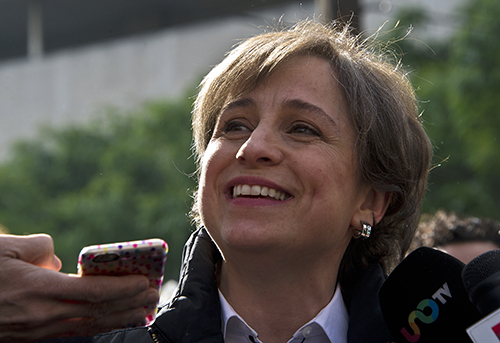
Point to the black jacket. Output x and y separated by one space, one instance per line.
194 314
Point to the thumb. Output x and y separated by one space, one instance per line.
34 249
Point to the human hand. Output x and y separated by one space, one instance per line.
39 302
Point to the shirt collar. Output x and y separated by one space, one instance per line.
332 321
232 323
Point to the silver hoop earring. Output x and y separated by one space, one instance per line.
365 232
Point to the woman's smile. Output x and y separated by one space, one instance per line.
255 188
256 191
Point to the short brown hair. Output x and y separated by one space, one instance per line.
392 148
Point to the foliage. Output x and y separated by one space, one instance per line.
458 82
123 177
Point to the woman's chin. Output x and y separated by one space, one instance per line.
248 238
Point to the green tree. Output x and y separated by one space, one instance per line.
474 85
457 82
122 177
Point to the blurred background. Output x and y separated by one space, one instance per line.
95 101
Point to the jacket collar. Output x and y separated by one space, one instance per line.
366 322
194 315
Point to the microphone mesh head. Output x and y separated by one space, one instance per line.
480 269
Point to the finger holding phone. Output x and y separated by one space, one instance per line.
37 301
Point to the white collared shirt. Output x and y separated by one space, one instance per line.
329 326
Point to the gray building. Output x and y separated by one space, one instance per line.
63 61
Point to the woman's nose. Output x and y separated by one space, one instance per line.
261 148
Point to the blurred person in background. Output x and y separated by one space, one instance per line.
462 237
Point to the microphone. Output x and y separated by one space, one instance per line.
424 300
481 278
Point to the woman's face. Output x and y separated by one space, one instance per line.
279 175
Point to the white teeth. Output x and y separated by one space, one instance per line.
246 190
257 190
264 191
277 196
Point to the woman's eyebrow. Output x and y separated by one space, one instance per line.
296 104
238 103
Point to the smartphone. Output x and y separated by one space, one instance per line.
146 257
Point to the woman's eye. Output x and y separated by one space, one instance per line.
304 129
234 126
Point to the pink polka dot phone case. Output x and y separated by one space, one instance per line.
146 257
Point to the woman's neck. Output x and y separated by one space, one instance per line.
276 299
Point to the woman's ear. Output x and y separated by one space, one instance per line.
372 209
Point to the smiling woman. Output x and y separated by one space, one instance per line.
312 168
308 158
332 130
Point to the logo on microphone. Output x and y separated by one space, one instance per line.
428 318
496 330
